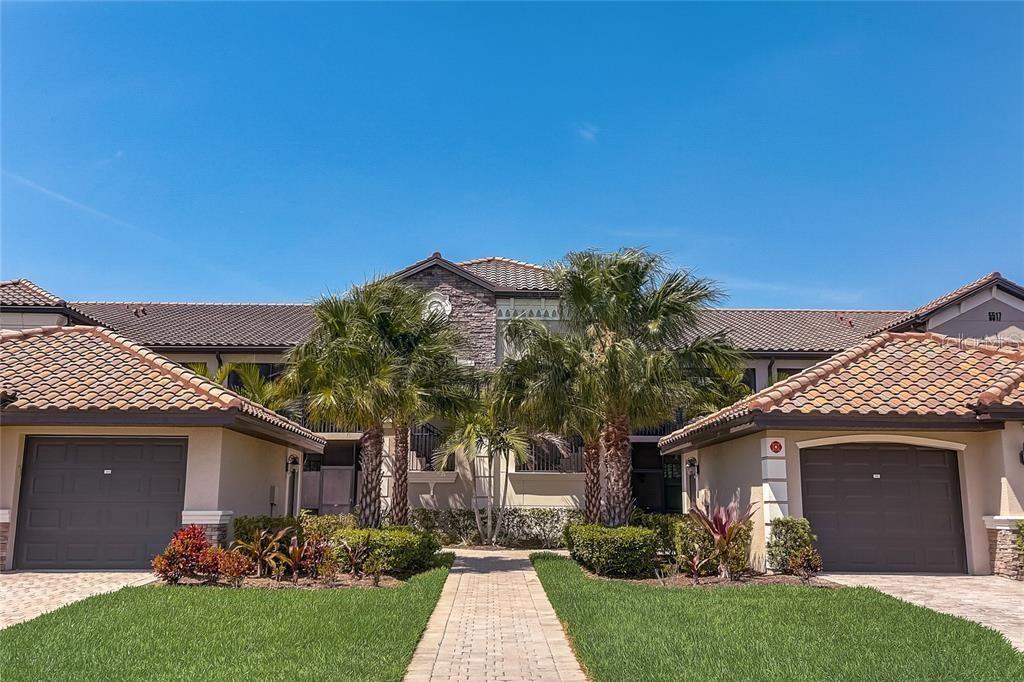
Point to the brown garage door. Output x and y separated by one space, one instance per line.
98 502
884 507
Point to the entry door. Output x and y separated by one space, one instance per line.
884 507
98 502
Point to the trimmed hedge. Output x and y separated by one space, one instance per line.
662 524
320 528
246 526
688 532
531 527
628 552
791 536
400 549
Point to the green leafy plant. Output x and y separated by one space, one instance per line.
264 548
246 526
662 524
1020 539
292 557
402 549
725 524
450 526
627 551
789 536
354 551
805 563
687 532
376 566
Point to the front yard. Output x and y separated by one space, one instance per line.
624 631
226 634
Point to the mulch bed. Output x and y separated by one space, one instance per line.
684 581
341 581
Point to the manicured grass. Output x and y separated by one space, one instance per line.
201 633
623 631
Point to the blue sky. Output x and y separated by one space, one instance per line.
825 155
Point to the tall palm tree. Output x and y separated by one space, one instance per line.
429 383
638 323
348 373
545 377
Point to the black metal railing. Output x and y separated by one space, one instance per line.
424 441
549 458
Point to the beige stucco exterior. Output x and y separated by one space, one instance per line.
227 473
14 319
990 471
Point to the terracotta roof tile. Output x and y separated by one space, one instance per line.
505 273
922 374
22 292
90 368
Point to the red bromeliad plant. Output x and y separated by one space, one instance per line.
724 524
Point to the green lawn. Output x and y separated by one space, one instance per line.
226 634
623 631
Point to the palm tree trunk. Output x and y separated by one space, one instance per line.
501 505
619 470
371 459
400 489
592 480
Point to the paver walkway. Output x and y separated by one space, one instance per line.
27 594
986 599
493 622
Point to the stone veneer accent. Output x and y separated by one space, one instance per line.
216 533
5 534
1006 555
474 312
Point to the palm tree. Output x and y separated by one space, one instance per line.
430 382
722 389
545 378
638 324
485 431
250 383
348 374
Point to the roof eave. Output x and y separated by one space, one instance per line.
442 262
254 426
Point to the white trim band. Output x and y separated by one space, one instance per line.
1002 522
206 518
5 515
883 438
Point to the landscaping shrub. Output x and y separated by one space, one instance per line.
396 549
805 562
628 551
534 527
729 528
234 566
662 524
451 526
689 534
322 527
790 535
183 557
264 548
246 526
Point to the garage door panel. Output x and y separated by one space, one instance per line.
907 519
73 515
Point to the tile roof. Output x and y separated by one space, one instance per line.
940 302
827 331
892 374
241 325
505 273
93 370
22 292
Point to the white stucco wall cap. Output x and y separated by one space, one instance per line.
206 517
1003 522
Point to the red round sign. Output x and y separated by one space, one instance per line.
775 446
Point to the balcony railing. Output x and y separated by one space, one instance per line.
424 440
545 458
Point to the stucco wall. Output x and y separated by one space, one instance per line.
766 373
16 320
249 468
969 318
473 311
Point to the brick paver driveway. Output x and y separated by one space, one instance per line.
27 594
493 622
986 599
